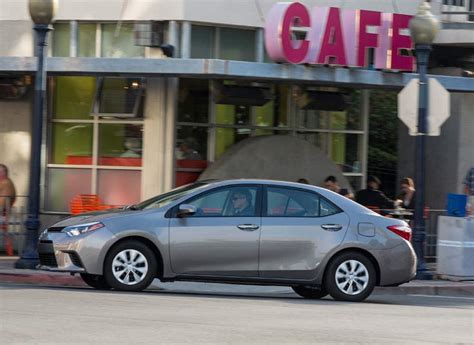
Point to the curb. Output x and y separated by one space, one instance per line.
459 291
47 279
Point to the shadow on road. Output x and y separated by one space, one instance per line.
400 300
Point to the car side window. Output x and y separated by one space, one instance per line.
226 202
289 202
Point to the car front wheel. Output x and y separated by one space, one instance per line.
310 292
350 277
130 266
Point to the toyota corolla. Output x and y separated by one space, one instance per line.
236 231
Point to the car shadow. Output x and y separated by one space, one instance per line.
399 299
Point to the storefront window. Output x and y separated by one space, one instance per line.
86 46
73 97
76 139
320 140
233 44
191 143
120 97
227 114
313 119
118 41
236 44
202 42
119 187
191 153
71 143
233 118
275 112
346 151
350 119
226 137
63 184
61 39
193 101
120 144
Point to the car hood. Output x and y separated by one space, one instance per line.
94 217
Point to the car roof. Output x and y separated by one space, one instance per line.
259 181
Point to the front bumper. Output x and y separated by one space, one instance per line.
80 254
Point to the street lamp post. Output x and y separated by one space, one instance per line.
423 29
42 13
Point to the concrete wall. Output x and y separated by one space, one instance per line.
15 142
16 38
15 20
234 12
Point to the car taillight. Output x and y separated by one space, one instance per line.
401 230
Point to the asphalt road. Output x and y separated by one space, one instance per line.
32 314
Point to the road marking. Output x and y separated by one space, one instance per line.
437 296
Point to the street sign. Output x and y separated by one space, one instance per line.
408 106
438 107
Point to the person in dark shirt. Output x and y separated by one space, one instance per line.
332 184
372 197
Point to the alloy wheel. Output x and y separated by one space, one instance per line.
129 267
352 277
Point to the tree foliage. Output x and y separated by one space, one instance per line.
383 137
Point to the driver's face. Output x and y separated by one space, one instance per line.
239 201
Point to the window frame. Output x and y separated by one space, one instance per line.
98 94
291 128
173 212
321 197
95 167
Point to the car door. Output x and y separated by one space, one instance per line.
299 227
218 240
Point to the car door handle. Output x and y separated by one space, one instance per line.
248 227
332 227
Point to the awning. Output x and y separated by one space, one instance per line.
224 69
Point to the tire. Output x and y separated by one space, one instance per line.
95 281
130 266
350 277
310 292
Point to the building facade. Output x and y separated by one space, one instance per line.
126 122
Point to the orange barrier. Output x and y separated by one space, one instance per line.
82 203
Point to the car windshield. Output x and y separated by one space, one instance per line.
167 198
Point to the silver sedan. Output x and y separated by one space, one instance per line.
236 231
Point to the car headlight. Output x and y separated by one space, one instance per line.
76 230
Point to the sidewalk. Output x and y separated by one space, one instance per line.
8 274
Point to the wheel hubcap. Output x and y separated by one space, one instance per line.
352 277
130 267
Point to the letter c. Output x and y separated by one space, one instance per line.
280 45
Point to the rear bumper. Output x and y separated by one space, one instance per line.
397 265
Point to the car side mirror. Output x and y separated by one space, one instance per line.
185 210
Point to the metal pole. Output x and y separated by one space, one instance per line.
29 256
419 231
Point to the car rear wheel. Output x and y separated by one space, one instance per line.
310 292
350 277
130 266
95 281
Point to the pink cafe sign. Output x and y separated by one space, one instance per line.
336 36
